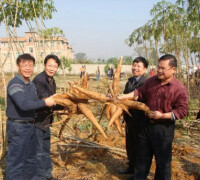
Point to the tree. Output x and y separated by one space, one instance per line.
49 33
113 61
65 63
12 14
25 11
80 56
106 68
100 61
162 15
127 60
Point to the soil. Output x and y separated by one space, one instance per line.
92 164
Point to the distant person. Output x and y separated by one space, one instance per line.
152 72
190 71
81 71
22 101
111 73
84 69
45 86
98 73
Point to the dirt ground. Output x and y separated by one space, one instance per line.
84 163
76 157
95 163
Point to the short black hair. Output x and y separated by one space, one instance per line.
25 57
52 56
141 59
172 59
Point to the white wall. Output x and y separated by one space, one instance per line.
91 68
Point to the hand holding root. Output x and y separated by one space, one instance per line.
49 102
158 116
113 100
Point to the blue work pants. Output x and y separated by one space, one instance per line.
21 157
44 164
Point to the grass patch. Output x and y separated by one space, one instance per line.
2 103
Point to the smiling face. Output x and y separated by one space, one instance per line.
51 67
164 71
138 69
25 69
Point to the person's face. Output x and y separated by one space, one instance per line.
25 68
138 69
51 67
164 71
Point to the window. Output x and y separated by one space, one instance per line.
30 39
41 44
17 54
30 49
41 54
52 44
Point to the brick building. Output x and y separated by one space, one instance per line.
35 45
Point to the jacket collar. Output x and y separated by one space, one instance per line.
133 78
47 77
22 79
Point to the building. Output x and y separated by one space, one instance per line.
35 45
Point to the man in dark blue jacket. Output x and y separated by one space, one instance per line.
133 122
22 101
45 85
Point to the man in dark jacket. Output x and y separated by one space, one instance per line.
45 85
22 101
133 122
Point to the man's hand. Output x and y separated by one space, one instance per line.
156 115
49 102
126 96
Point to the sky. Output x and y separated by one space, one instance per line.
99 28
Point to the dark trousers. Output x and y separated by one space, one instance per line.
198 115
44 164
21 151
154 139
131 142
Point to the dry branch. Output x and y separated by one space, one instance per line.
3 136
81 143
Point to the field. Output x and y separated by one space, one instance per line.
84 154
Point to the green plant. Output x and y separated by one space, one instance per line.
106 68
2 103
113 61
84 126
